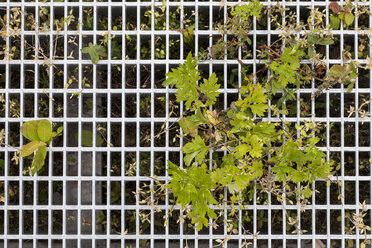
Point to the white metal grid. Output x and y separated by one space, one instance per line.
87 173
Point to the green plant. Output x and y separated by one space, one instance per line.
244 11
40 134
341 13
95 52
160 18
345 74
88 19
254 147
282 157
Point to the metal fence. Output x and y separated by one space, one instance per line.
84 196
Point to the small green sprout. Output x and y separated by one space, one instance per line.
94 51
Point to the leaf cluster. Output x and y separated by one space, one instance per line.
341 13
246 10
345 74
185 78
40 134
285 69
252 145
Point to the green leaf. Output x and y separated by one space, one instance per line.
188 127
188 34
241 150
350 87
285 73
310 51
44 130
233 188
210 89
337 72
256 100
60 129
217 175
30 148
195 149
95 51
87 138
256 170
29 130
349 19
256 150
259 109
198 118
185 78
39 159
193 186
334 21
265 130
307 192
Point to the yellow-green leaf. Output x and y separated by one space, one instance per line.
259 109
44 130
188 127
29 130
39 159
213 117
195 149
30 148
60 129
349 19
334 21
337 72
